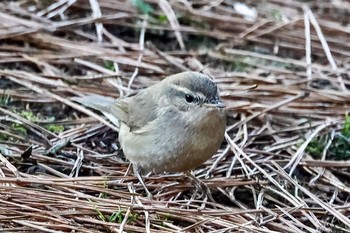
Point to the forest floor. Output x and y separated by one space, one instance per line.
283 70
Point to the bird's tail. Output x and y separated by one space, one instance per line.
100 103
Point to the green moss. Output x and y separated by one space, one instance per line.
109 65
340 145
132 218
276 14
19 128
315 148
29 115
142 6
346 127
5 99
116 217
340 148
55 128
4 137
162 19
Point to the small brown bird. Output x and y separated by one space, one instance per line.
172 126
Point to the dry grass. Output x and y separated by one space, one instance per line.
60 170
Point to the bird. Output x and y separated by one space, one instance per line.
172 126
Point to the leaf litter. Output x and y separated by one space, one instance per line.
283 71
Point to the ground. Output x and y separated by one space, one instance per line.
282 68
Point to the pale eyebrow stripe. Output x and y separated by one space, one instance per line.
181 89
186 90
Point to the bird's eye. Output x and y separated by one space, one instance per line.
189 98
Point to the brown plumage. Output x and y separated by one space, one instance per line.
172 126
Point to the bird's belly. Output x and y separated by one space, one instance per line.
169 149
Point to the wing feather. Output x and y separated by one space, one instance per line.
136 111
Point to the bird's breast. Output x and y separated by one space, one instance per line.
175 141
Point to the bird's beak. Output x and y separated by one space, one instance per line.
215 103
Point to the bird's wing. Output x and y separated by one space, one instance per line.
94 101
100 103
120 109
142 109
136 111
